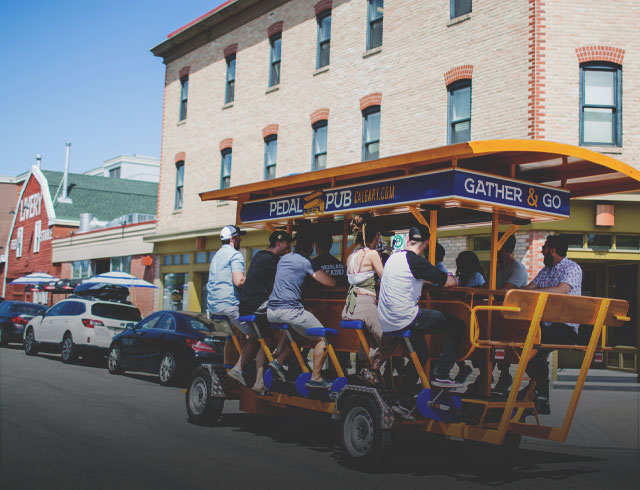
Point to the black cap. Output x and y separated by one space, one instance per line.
278 236
419 233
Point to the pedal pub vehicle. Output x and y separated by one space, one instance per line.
508 183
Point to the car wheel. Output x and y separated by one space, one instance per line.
68 351
4 340
30 348
114 361
201 408
363 440
168 370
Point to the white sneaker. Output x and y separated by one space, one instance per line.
233 373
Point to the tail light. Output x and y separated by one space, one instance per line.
18 320
199 346
89 323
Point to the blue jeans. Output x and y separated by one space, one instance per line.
429 322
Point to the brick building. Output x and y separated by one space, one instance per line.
256 89
44 213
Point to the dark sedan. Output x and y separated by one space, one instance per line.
170 343
14 316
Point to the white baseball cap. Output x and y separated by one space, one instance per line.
230 231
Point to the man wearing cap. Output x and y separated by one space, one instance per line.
226 277
285 305
400 289
255 294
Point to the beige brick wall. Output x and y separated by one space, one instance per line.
420 44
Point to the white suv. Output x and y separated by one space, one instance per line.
78 326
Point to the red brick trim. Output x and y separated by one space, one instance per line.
226 143
275 28
600 53
536 101
323 6
462 72
184 72
319 115
180 157
370 100
231 49
269 130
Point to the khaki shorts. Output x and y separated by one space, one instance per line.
299 319
232 313
366 311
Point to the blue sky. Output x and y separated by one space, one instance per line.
81 71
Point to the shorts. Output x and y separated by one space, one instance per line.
233 314
366 311
299 319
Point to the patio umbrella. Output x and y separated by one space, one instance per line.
34 278
120 279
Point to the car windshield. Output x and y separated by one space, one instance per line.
116 311
26 309
200 326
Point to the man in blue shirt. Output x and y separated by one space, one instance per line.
285 305
226 277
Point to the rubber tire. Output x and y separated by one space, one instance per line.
172 375
364 412
203 410
116 366
72 351
511 441
4 340
33 349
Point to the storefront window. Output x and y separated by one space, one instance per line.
166 260
175 291
598 242
81 269
627 242
575 240
121 264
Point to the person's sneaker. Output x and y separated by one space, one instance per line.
259 390
504 383
277 369
542 405
323 384
463 373
400 409
446 383
233 373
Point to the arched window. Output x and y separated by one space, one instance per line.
179 184
459 127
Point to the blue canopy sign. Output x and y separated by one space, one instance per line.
413 189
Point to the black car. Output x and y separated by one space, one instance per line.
170 343
14 316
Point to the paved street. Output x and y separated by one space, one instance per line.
80 427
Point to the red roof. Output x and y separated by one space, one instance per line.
219 7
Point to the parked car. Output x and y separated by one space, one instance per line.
78 326
14 316
170 343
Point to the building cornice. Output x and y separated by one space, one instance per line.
212 25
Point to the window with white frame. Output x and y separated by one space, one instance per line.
371 133
36 236
319 145
459 129
19 242
225 169
179 184
270 156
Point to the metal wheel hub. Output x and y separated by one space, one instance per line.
114 358
29 341
359 431
66 347
198 393
166 367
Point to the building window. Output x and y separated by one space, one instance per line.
460 7
231 79
179 184
121 264
225 169
459 112
270 153
184 95
81 269
574 240
175 291
319 157
371 133
324 39
276 48
601 104
19 243
36 236
374 25
481 243
114 173
201 258
627 242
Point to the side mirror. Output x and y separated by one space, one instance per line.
42 313
131 326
